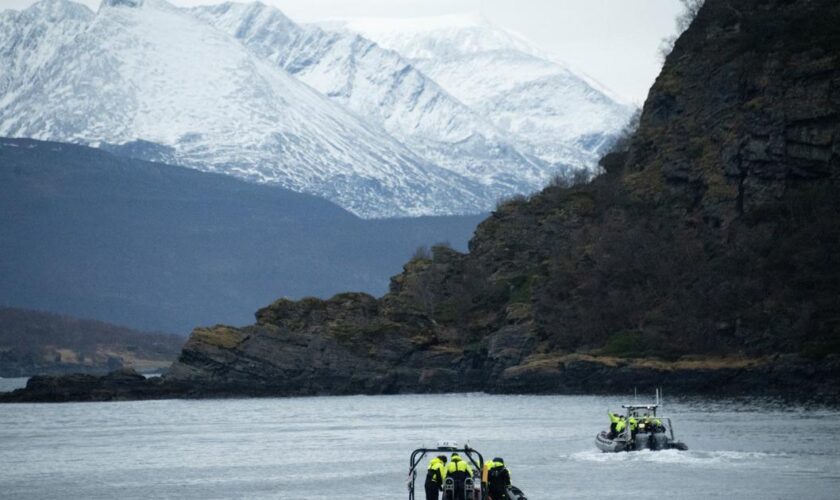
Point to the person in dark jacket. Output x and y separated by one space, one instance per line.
435 476
498 480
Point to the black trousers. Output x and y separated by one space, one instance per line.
432 491
459 490
497 493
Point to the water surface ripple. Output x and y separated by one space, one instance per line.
358 447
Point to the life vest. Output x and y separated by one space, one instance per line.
458 465
437 471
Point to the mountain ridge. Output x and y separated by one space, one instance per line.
506 79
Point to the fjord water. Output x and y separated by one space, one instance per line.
358 447
10 384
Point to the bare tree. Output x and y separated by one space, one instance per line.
422 253
622 142
567 180
690 10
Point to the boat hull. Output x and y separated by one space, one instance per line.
644 441
607 445
515 493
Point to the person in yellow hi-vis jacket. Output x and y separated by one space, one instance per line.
459 471
614 420
435 476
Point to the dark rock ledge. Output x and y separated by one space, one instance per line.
787 377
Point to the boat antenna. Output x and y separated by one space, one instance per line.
657 397
634 396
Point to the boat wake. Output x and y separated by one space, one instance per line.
710 458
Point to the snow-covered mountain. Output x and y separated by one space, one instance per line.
143 69
555 113
30 39
386 89
444 117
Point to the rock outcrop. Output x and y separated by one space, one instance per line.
706 258
124 384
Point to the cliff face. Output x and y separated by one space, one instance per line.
710 246
706 258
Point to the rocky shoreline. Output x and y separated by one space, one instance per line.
786 377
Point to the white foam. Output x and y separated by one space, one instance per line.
691 457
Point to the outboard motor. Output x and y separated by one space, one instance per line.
515 493
448 489
658 441
641 441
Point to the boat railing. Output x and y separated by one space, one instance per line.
670 427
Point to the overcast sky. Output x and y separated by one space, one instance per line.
613 41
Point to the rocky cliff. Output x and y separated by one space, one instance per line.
706 258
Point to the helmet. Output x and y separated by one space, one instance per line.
456 456
442 458
499 460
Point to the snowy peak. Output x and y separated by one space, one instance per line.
245 20
265 30
388 90
447 36
122 3
47 11
30 40
549 110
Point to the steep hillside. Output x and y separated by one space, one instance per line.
159 247
39 343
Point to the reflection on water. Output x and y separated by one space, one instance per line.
358 447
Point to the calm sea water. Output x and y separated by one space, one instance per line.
10 384
358 447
